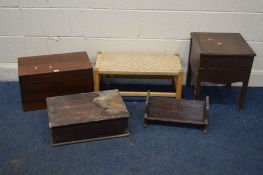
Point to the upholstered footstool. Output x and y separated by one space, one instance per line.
140 66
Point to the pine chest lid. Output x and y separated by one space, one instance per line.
85 107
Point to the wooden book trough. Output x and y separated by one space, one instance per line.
165 109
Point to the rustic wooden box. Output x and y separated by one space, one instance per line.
87 116
164 109
53 75
222 58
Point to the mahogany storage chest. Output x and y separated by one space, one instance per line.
222 58
53 75
87 116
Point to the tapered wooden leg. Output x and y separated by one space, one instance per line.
179 85
189 69
197 89
243 94
189 75
96 78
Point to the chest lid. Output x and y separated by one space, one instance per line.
222 44
53 63
85 107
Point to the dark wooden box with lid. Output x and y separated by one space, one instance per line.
53 75
87 116
222 58
165 109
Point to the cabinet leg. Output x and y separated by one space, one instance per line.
189 75
189 69
197 89
243 94
96 78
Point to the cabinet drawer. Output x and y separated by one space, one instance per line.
224 75
225 61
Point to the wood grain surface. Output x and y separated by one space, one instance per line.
53 75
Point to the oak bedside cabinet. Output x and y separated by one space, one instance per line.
222 58
53 75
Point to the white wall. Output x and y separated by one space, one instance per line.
33 27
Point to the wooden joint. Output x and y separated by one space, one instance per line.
181 72
99 54
177 54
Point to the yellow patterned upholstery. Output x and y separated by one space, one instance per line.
138 64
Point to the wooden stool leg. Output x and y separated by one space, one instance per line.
179 85
197 89
96 78
243 94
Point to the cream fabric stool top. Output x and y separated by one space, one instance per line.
122 64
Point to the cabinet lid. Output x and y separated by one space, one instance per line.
53 63
85 107
222 44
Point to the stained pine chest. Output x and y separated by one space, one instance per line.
87 116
